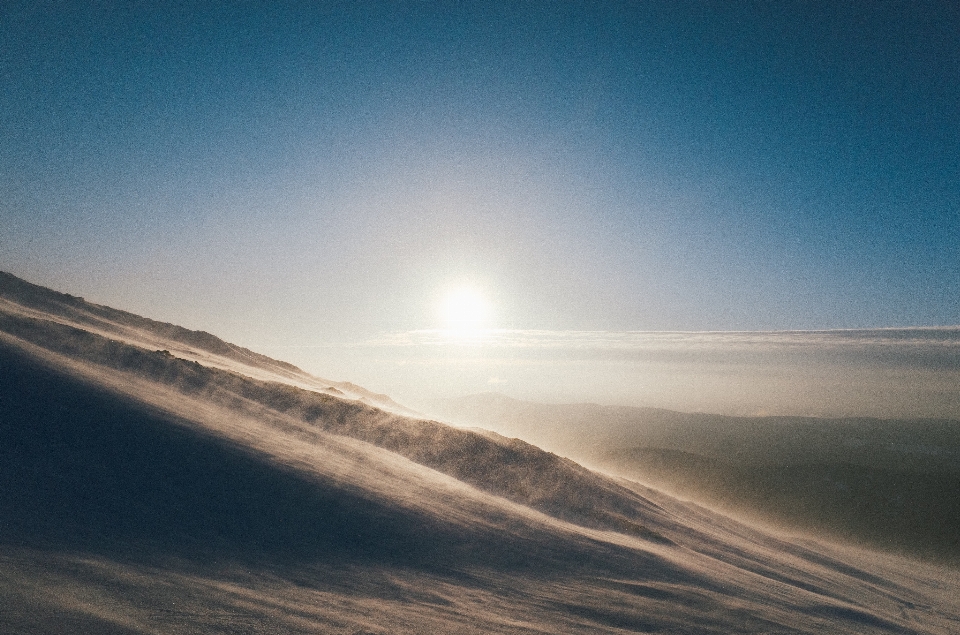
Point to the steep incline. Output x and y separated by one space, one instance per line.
94 316
30 300
145 493
504 467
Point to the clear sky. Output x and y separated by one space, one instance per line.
309 177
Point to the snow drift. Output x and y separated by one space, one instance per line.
153 479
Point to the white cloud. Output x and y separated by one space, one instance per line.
935 347
872 372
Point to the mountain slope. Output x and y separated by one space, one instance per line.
24 299
142 492
84 467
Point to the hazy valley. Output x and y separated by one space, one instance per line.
887 483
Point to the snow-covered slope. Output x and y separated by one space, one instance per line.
153 482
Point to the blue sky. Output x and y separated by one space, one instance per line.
298 174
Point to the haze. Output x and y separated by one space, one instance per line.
690 205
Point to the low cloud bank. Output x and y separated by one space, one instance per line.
934 347
896 372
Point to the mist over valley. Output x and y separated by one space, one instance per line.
888 483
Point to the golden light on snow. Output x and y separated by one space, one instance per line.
464 310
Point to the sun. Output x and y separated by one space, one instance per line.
464 309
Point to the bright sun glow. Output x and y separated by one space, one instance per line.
464 309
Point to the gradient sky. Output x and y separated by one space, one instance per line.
301 176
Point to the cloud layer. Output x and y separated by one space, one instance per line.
903 372
933 348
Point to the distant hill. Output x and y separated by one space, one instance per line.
890 483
